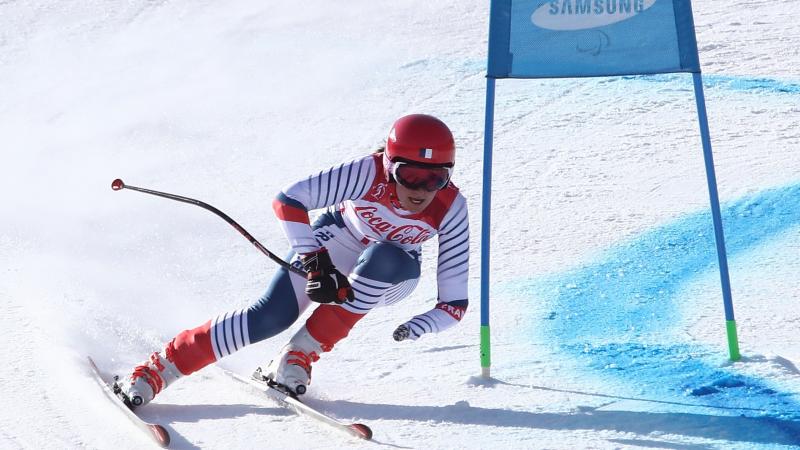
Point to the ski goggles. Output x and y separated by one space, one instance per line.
417 177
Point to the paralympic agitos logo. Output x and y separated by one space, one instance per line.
403 234
566 15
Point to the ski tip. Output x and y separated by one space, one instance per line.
364 432
117 184
160 434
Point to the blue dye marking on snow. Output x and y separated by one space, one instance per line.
751 84
639 279
615 316
733 83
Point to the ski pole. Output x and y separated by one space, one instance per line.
118 185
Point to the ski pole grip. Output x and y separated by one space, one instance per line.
117 184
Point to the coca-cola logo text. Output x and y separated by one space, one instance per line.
402 234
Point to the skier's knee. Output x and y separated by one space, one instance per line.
275 311
263 326
387 263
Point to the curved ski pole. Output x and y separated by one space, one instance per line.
118 185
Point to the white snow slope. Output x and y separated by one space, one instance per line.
607 319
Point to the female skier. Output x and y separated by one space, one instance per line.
361 253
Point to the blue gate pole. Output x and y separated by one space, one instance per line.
486 214
719 235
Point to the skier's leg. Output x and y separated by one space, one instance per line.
274 312
292 367
383 274
193 349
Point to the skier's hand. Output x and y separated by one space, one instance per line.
325 284
404 332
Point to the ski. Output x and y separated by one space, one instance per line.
289 399
156 432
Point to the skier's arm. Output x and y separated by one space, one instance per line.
452 277
440 318
347 181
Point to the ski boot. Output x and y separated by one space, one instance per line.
291 370
147 380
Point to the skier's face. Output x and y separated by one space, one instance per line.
414 200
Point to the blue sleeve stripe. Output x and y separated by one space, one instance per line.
346 183
461 222
450 236
310 184
352 180
337 184
453 216
322 189
232 329
461 263
418 326
339 171
458 222
462 225
365 293
358 180
400 293
457 214
442 263
456 241
449 243
367 181
333 186
224 335
286 200
359 281
360 300
463 245
425 320
327 189
319 188
351 305
241 327
216 336
392 296
455 247
453 275
424 327
368 295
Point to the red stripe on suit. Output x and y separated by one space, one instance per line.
191 349
329 324
289 213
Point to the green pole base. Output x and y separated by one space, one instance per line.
733 340
486 353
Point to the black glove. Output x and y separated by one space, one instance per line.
401 333
325 284
404 332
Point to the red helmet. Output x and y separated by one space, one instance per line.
423 139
